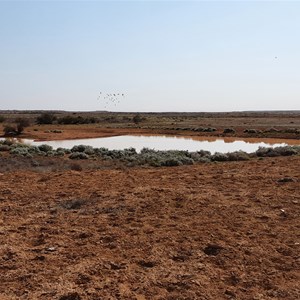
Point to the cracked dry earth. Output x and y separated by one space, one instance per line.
209 231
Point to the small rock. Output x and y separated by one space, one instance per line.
51 249
283 213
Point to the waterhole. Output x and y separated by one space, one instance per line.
161 142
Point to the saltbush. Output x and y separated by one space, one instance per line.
4 148
77 120
45 148
146 156
78 155
278 151
84 149
20 151
219 157
229 130
64 150
238 156
46 118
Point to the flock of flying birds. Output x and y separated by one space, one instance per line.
110 99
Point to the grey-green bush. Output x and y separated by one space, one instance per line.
45 148
78 155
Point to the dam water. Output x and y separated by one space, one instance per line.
161 142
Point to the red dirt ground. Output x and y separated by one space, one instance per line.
209 231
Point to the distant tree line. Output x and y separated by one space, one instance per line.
19 124
49 118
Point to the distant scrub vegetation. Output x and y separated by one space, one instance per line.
50 118
146 156
76 120
46 118
16 128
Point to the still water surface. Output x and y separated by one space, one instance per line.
160 142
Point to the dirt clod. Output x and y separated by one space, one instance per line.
70 296
287 179
212 249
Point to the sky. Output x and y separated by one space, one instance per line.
163 55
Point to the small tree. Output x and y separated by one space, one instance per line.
2 119
9 130
17 128
21 123
45 118
137 119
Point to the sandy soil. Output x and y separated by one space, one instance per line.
209 231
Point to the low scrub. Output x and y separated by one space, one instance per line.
77 120
229 130
45 148
89 150
78 155
252 131
148 157
278 151
45 118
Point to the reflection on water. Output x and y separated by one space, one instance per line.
159 142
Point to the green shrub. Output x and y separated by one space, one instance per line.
272 130
59 153
45 148
84 149
238 156
229 130
34 150
219 157
8 142
9 130
137 119
76 167
204 153
64 150
45 118
278 151
251 131
292 130
21 124
20 151
78 155
171 162
77 120
4 148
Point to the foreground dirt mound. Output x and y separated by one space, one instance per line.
211 231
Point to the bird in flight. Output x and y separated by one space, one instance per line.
110 98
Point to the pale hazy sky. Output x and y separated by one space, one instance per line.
164 55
